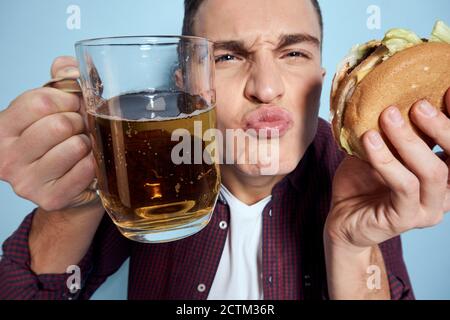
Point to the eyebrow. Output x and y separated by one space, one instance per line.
232 45
290 39
285 40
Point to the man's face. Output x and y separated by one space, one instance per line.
266 60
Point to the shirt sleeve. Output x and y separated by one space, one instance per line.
18 282
399 282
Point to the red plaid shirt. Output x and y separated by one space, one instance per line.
293 255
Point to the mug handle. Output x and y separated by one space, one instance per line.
71 85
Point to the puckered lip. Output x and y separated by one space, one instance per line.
269 121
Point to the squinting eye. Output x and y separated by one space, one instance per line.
225 58
297 54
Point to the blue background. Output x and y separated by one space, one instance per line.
34 32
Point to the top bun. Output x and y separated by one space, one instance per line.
419 72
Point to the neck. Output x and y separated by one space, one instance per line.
248 189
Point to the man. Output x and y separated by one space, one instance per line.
307 236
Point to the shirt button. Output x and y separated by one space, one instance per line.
223 225
270 212
201 287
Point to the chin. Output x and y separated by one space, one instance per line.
278 167
278 159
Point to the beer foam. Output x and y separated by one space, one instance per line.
180 116
158 118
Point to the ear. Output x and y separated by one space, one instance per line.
324 73
178 75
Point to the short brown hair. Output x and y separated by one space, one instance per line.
191 7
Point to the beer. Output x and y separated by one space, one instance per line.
141 188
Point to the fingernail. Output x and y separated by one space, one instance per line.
427 109
395 116
70 71
376 142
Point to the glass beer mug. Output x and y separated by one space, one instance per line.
149 101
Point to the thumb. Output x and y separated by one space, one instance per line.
64 67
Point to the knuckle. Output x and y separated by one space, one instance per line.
403 227
71 101
398 226
430 220
439 173
24 189
80 145
62 126
410 137
410 224
41 103
403 224
387 160
78 120
421 220
437 219
51 203
90 165
410 186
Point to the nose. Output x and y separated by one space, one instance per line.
265 84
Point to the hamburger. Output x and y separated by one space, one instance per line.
399 70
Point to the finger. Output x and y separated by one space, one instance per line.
59 160
70 189
404 185
64 66
433 123
418 158
447 101
46 133
34 105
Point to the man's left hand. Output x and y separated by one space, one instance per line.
377 200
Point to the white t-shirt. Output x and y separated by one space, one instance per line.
239 276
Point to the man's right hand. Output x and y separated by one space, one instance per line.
46 155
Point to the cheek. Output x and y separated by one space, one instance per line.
306 94
313 93
227 104
223 122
